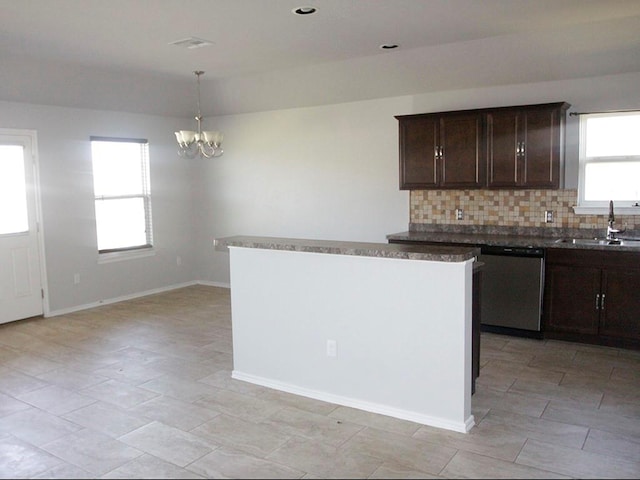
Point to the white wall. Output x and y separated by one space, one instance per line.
331 172
328 172
68 207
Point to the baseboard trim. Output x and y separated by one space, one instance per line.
462 427
123 298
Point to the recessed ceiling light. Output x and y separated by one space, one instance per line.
389 46
304 10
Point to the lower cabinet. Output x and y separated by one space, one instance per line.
592 296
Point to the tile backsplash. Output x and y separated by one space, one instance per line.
509 208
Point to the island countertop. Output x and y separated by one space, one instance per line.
435 253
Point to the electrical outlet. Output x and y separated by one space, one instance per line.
459 214
548 216
178 260
76 278
332 348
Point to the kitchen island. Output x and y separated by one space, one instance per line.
378 327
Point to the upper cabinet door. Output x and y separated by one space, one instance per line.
503 149
461 151
541 148
441 151
525 146
418 152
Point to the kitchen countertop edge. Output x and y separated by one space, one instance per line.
506 240
438 253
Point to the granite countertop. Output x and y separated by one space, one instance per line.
512 237
438 253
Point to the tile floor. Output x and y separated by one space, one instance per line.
142 389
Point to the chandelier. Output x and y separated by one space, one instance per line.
206 144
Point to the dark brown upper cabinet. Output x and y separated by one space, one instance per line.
525 146
441 151
506 147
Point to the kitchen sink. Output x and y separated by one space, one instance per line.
601 241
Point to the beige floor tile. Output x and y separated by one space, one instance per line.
312 426
66 471
174 413
19 459
555 433
118 393
9 405
388 470
297 401
613 445
493 440
71 379
550 393
178 387
127 372
56 400
36 426
14 383
413 453
575 462
106 418
593 418
248 407
169 443
380 422
323 460
623 404
471 465
256 439
91 451
222 379
150 467
228 463
568 395
31 364
487 397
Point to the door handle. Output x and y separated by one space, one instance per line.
597 301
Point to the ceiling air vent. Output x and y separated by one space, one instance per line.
191 42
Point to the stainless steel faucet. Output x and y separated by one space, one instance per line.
611 231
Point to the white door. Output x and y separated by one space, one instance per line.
20 273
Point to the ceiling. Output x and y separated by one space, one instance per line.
117 54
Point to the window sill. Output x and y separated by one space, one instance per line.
126 255
579 210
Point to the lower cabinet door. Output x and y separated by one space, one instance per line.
620 303
572 299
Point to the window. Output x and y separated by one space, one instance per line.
122 193
13 192
610 159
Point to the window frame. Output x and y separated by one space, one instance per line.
590 207
132 251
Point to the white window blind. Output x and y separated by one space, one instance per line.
122 193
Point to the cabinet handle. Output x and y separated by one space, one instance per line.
522 149
441 152
597 301
437 152
602 302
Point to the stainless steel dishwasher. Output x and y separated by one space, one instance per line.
512 287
